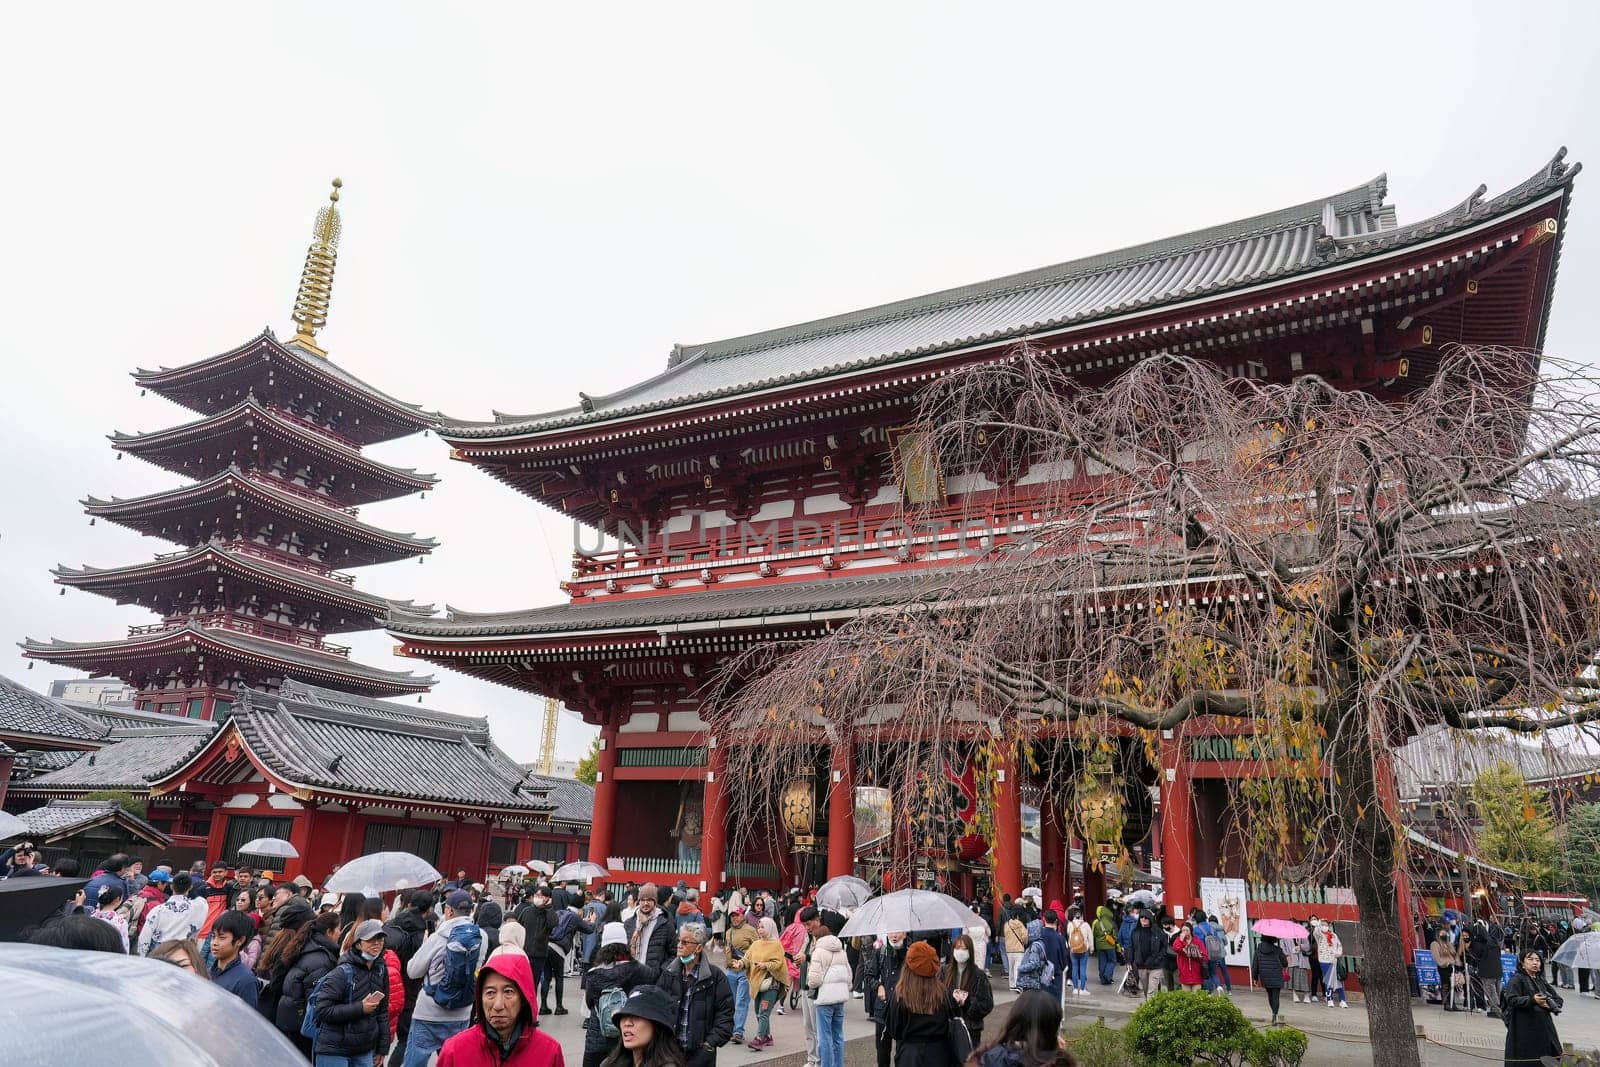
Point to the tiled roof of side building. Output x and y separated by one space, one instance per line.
63 818
312 740
27 713
1318 234
574 801
732 602
131 759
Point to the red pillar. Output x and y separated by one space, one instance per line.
605 796
841 811
1178 873
714 816
1006 850
1053 858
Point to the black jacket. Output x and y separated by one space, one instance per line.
980 997
537 924
314 961
710 1010
1530 1029
626 975
663 939
1269 966
488 917
881 968
1147 948
343 1028
922 1040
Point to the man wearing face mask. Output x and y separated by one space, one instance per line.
881 972
702 995
351 1004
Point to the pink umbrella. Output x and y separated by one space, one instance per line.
1280 928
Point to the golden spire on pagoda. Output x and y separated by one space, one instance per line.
316 280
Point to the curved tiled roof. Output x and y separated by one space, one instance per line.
63 818
734 602
574 801
292 658
131 759
1318 234
320 739
27 713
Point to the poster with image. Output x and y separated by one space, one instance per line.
1224 902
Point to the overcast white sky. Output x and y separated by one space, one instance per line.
543 198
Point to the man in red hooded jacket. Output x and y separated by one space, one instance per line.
505 1028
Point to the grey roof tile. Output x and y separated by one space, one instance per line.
131 759
318 738
574 801
23 711
1329 231
63 818
730 602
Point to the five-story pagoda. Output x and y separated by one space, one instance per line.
266 525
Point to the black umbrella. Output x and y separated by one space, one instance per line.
30 900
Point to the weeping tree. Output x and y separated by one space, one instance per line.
1316 571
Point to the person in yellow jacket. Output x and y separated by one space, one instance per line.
768 974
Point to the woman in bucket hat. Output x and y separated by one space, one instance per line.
646 1022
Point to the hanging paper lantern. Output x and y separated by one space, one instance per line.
798 807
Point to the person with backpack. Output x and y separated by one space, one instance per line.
612 976
569 925
1080 945
1055 950
538 917
506 1031
348 1018
446 963
1217 978
1104 938
311 953
1034 970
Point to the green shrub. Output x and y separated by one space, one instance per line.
1183 1028
1097 1045
1282 1047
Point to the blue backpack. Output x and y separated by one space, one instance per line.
308 1023
455 988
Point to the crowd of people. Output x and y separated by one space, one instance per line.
459 973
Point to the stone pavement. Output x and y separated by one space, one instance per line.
1338 1035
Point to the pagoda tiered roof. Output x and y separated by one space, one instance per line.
317 743
162 584
231 504
1326 236
263 661
267 368
237 436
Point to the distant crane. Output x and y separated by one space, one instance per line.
547 739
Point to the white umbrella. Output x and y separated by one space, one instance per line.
579 871
270 847
909 910
11 826
542 866
843 893
1033 891
1142 897
1581 952
382 872
516 870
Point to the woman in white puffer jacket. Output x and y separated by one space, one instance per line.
829 974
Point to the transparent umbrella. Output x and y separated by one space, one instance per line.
580 871
270 847
542 866
909 910
1581 952
843 893
382 872
516 870
145 1009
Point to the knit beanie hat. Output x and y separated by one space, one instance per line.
922 960
613 934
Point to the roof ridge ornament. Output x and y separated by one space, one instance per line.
311 300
